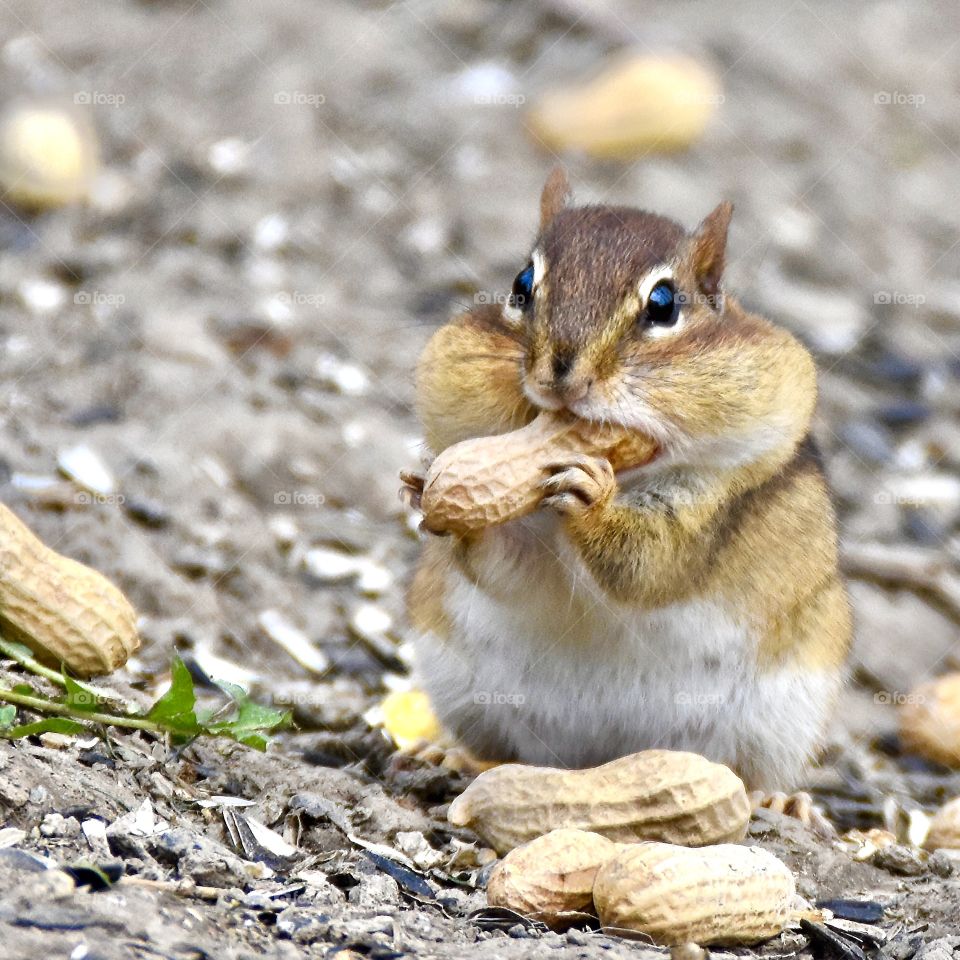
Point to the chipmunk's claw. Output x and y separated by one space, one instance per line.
800 806
449 756
578 484
411 492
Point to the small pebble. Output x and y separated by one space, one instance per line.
150 513
42 296
94 830
284 530
870 441
271 232
344 377
33 483
901 860
369 620
329 566
904 413
941 864
56 825
229 157
85 468
293 640
374 579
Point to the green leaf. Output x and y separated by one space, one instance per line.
250 720
79 695
47 725
174 711
8 713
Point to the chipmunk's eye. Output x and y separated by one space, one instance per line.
661 306
522 292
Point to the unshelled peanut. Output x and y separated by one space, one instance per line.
724 894
654 795
63 611
551 878
485 481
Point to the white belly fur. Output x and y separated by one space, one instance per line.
545 669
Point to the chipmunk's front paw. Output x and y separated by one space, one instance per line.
579 484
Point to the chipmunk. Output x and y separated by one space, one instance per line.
693 603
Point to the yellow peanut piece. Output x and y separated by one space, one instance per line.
48 156
485 481
944 832
551 878
635 106
409 718
725 894
930 720
653 795
62 610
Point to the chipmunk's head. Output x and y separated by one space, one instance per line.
623 319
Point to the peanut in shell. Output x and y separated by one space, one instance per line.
62 610
551 878
663 795
485 481
944 832
930 720
724 894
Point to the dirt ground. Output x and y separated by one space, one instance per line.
294 195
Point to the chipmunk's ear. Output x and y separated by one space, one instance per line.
708 248
556 195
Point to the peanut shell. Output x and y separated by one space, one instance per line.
725 894
485 481
654 795
551 878
62 610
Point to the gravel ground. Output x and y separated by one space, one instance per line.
294 195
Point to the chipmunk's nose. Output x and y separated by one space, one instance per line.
559 380
562 362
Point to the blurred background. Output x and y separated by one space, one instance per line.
228 229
